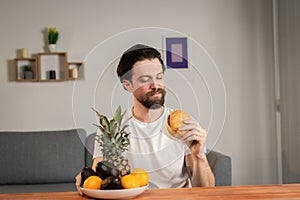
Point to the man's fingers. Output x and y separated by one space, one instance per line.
190 125
193 135
78 181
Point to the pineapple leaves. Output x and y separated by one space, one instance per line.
126 121
124 127
100 127
104 122
113 127
114 139
98 114
118 115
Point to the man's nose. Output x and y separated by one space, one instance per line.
154 84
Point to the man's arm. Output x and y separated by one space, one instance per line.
196 162
201 174
95 162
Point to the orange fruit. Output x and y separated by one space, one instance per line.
142 176
92 182
129 181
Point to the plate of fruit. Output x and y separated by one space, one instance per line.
107 182
113 178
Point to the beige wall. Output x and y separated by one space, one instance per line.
237 34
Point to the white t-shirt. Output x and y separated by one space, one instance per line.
153 149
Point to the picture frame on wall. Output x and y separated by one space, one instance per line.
176 52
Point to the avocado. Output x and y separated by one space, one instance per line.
111 183
85 173
105 169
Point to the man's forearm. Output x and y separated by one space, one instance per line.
202 175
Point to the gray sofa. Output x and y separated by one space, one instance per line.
45 161
40 161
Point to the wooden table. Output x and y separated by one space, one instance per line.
286 191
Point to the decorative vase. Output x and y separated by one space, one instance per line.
28 75
52 47
24 52
52 74
74 73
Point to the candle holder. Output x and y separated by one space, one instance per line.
52 75
24 53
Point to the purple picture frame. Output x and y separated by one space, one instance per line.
176 53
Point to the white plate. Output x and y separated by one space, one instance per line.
114 194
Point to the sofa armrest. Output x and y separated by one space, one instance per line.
221 167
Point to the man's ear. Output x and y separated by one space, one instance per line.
127 85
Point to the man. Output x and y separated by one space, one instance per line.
171 162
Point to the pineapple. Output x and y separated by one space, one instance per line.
114 140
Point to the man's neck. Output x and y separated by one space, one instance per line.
146 115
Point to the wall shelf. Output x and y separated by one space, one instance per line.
20 63
52 62
49 67
75 70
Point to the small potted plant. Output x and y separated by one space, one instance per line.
28 72
52 38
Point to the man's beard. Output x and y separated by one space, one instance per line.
153 103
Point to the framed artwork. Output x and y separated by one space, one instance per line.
176 50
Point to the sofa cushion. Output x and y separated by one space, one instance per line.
41 156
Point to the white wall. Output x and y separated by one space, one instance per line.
237 35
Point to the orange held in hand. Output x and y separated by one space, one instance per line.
129 181
142 176
92 182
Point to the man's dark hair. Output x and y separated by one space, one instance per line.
136 53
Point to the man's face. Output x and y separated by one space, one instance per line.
147 83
